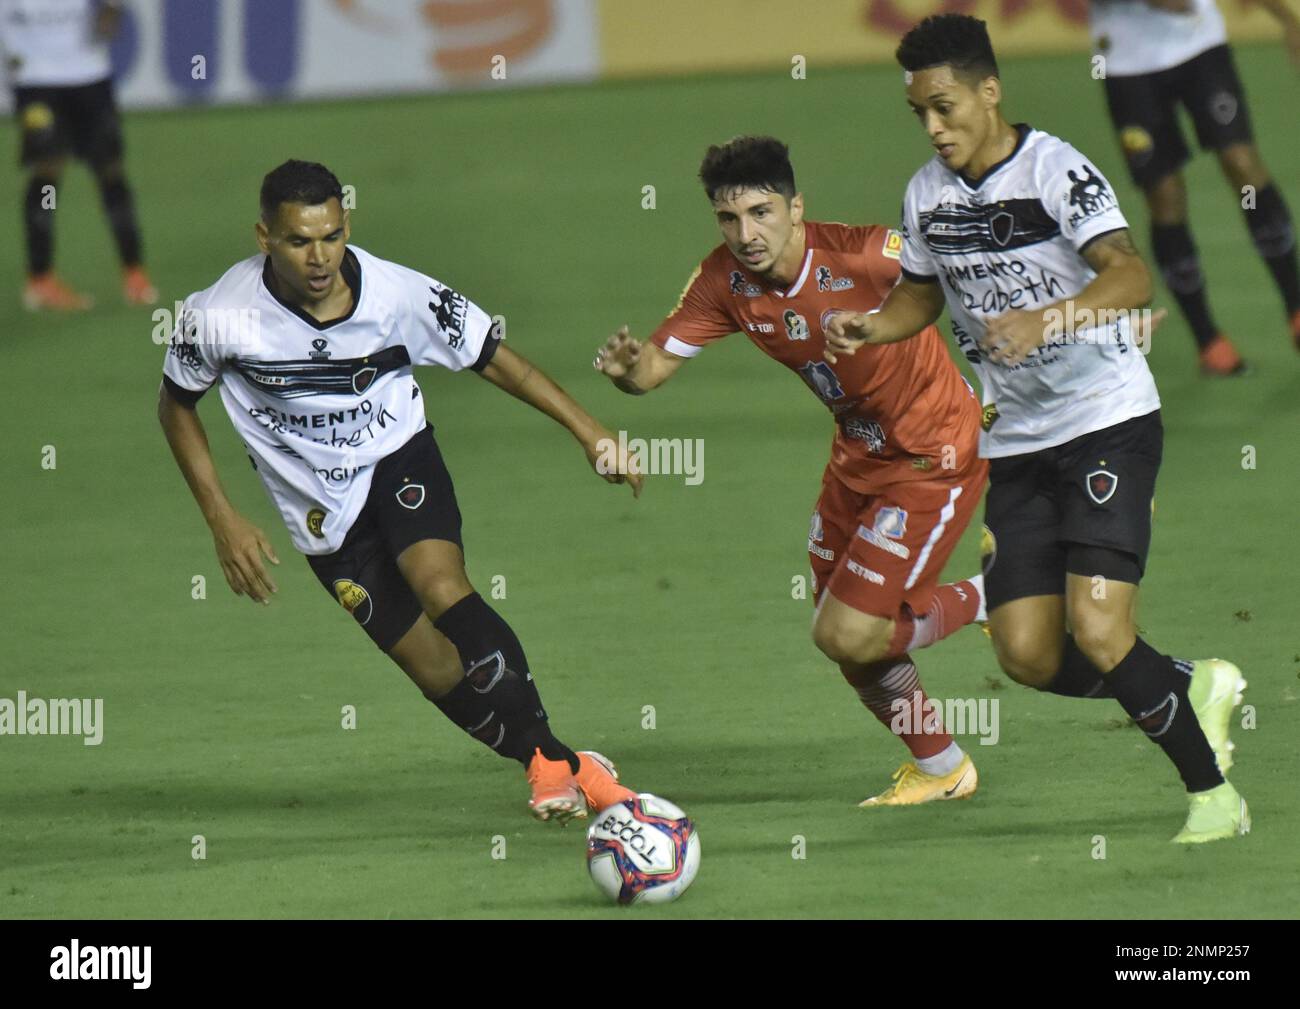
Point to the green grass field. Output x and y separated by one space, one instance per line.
223 719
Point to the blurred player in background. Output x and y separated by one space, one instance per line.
1023 239
313 343
1164 53
904 475
57 56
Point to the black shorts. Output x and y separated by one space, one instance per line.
411 498
1048 511
81 120
1144 110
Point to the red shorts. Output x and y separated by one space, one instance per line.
876 552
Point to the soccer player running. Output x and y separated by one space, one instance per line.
313 343
57 54
1163 53
904 475
1022 237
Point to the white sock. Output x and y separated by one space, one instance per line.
978 582
942 763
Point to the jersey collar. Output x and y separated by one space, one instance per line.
350 271
1023 129
797 286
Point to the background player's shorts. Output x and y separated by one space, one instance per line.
1144 109
81 120
411 498
875 552
1094 491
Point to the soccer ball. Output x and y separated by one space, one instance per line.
643 851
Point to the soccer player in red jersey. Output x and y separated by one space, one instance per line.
904 475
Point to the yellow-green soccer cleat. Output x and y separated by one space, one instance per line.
1219 813
912 786
1216 689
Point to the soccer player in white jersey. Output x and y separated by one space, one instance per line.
56 52
312 343
1160 54
1021 236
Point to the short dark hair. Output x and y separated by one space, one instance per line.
298 182
748 163
956 40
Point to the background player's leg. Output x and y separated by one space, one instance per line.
119 208
38 213
1269 222
1180 266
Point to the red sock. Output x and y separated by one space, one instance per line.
892 692
952 607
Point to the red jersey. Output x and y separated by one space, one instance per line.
897 406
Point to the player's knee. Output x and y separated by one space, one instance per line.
1103 642
48 169
1167 200
860 643
109 172
439 589
1026 659
1243 167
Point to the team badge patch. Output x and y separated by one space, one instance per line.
315 519
891 522
411 496
37 116
988 415
1001 227
362 379
893 247
988 549
1101 485
796 326
355 599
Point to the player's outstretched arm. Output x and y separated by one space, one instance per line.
909 308
1286 17
239 543
633 366
519 377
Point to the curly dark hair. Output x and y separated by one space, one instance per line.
761 163
955 40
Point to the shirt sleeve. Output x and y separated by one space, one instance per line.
915 261
445 328
1079 197
697 321
193 360
882 253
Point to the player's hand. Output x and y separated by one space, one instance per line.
1012 337
612 464
1141 331
240 546
1291 39
618 355
845 333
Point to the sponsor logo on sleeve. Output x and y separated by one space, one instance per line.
893 247
1089 194
448 308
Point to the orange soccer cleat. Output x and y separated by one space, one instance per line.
45 290
555 791
1220 358
137 288
598 780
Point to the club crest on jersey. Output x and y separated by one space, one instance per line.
355 599
796 326
448 308
1088 192
1002 226
1101 485
315 522
362 378
318 351
740 286
893 247
411 496
891 522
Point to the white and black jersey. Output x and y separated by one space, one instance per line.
319 404
52 43
1136 38
1013 239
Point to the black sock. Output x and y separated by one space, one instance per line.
1180 266
1077 677
38 225
120 208
1153 690
1274 237
497 702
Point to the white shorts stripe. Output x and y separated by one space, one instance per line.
945 516
680 347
